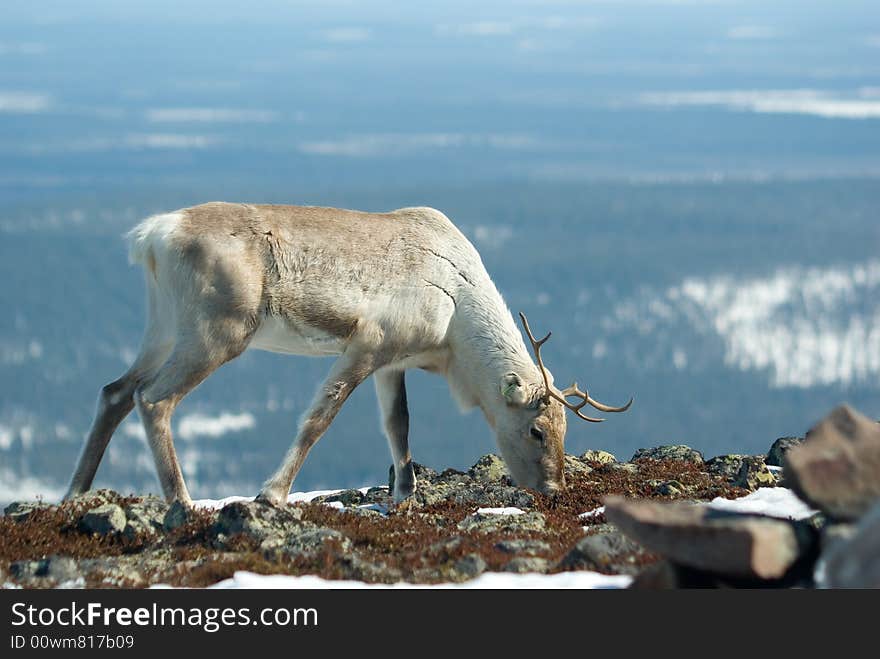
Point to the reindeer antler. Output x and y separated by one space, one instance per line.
568 391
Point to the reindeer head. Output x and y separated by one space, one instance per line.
531 434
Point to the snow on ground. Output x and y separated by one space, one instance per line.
500 511
493 580
772 501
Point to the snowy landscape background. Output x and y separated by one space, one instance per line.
686 193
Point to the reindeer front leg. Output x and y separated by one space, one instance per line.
352 368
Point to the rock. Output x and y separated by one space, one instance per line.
776 454
524 564
727 466
19 511
62 569
604 552
602 457
103 520
746 546
523 547
176 516
52 571
357 568
627 468
854 562
662 575
488 469
574 466
753 473
673 452
837 468
257 520
313 540
834 533
144 518
346 498
96 498
468 492
670 488
470 566
446 546
489 523
379 495
24 570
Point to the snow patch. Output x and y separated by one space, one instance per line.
202 425
773 501
500 511
495 580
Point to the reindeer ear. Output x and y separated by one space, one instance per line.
513 390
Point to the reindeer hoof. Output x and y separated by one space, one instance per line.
271 500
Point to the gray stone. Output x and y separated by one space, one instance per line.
747 546
103 520
672 452
527 564
837 468
776 454
602 457
488 469
854 562
19 511
575 467
24 570
257 520
96 498
313 540
62 569
671 488
379 495
489 523
753 473
470 566
522 547
176 516
468 492
144 518
604 552
346 498
834 533
727 466
627 468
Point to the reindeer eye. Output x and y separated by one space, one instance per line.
536 433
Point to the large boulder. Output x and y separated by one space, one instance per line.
776 454
837 468
744 546
853 559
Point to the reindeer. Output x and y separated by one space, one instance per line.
384 291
